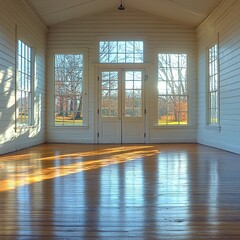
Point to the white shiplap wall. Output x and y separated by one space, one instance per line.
17 14
225 21
158 34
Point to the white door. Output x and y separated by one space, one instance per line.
121 106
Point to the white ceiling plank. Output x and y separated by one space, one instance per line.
189 12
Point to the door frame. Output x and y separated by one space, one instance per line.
121 69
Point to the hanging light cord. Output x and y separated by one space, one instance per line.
121 7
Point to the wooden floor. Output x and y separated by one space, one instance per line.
165 191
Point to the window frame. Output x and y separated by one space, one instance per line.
84 54
216 74
187 95
125 40
31 76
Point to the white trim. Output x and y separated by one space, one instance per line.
51 88
122 65
32 85
208 99
121 70
187 95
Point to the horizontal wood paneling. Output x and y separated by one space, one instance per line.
18 14
158 34
225 21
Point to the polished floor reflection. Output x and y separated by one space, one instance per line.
160 191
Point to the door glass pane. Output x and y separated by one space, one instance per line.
109 95
133 94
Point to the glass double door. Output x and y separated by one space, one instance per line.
121 106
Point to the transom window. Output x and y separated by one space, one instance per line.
24 84
121 52
172 89
69 79
213 84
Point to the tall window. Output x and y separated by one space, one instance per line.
172 89
213 84
24 84
121 52
69 79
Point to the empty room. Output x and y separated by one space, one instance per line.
119 119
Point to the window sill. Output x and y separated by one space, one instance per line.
24 128
173 126
213 127
76 127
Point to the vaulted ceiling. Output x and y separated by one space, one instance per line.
189 12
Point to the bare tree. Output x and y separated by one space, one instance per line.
121 52
118 52
173 86
69 84
109 82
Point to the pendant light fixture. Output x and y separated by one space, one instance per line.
121 7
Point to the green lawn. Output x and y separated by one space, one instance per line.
67 121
